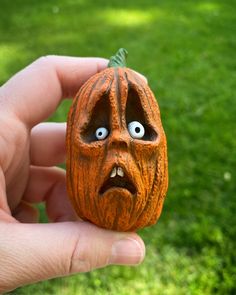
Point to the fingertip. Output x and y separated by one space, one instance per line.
107 248
128 251
102 63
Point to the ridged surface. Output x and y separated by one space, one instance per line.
89 163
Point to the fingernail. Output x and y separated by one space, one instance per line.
127 252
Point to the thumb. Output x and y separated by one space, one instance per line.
35 252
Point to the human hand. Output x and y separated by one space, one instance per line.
29 251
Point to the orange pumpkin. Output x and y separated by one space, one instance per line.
117 173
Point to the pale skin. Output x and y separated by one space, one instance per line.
29 152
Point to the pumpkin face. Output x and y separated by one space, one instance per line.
116 152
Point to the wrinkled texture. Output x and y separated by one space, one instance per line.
112 99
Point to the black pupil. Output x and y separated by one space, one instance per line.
100 133
137 129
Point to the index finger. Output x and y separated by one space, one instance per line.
34 93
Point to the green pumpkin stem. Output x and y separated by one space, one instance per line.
118 60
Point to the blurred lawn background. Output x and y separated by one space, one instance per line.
186 49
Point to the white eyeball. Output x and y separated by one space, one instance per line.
101 133
136 129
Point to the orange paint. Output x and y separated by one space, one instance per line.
115 179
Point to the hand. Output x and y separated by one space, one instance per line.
30 251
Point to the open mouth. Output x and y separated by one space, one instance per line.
118 179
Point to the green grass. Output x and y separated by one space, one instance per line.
187 51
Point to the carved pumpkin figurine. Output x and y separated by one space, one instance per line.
117 174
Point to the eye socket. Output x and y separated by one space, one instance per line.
136 129
101 133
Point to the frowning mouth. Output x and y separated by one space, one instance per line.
118 179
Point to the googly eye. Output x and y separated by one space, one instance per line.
101 133
136 129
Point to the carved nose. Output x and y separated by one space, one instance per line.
118 140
